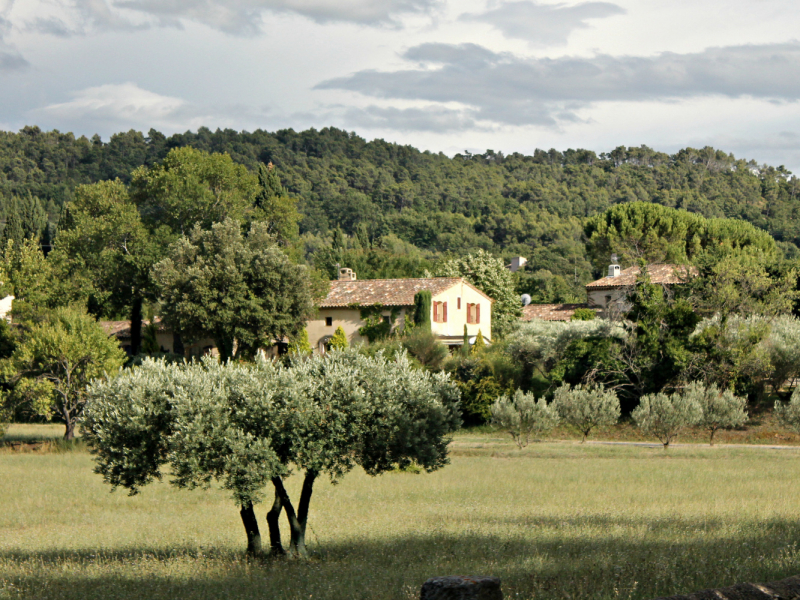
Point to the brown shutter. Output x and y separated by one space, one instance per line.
459 304
444 312
478 314
435 312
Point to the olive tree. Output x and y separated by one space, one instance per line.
665 416
783 344
248 425
789 413
523 416
586 407
721 409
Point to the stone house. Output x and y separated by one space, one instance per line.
608 295
165 338
350 302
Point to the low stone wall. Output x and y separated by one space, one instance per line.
786 589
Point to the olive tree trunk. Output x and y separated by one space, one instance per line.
273 523
251 529
297 520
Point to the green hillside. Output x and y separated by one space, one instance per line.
400 202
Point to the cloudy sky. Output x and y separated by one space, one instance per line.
444 75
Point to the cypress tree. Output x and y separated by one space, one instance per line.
422 310
465 344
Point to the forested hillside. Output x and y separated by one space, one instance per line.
394 201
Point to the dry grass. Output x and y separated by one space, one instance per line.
554 521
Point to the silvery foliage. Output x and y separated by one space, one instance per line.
586 407
523 416
783 344
722 409
243 424
541 341
665 416
788 413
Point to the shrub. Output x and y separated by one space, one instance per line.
339 340
586 407
300 346
789 413
479 345
583 314
424 346
524 416
665 416
721 408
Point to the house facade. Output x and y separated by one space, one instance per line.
608 296
165 338
350 303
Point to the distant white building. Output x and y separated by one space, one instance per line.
5 307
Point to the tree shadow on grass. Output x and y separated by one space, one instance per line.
543 558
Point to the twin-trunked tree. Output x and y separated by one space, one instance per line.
249 425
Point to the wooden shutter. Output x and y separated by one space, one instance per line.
444 312
435 312
478 314
459 304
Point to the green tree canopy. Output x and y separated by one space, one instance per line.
241 291
55 360
191 187
246 425
658 234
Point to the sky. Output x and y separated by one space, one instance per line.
441 75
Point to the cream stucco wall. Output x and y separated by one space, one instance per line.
457 318
349 319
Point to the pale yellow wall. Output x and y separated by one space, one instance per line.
456 319
348 319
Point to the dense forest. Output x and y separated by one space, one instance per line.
389 209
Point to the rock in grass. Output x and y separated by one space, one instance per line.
786 589
461 587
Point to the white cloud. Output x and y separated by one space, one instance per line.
514 90
543 24
124 105
238 17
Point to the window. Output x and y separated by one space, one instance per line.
440 312
474 314
386 319
329 321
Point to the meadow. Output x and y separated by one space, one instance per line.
557 520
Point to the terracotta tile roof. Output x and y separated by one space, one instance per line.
663 274
388 292
551 312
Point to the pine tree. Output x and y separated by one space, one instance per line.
13 230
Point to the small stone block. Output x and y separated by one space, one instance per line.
461 587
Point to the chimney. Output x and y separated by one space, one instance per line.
347 275
517 263
613 268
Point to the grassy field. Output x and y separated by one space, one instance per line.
558 520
